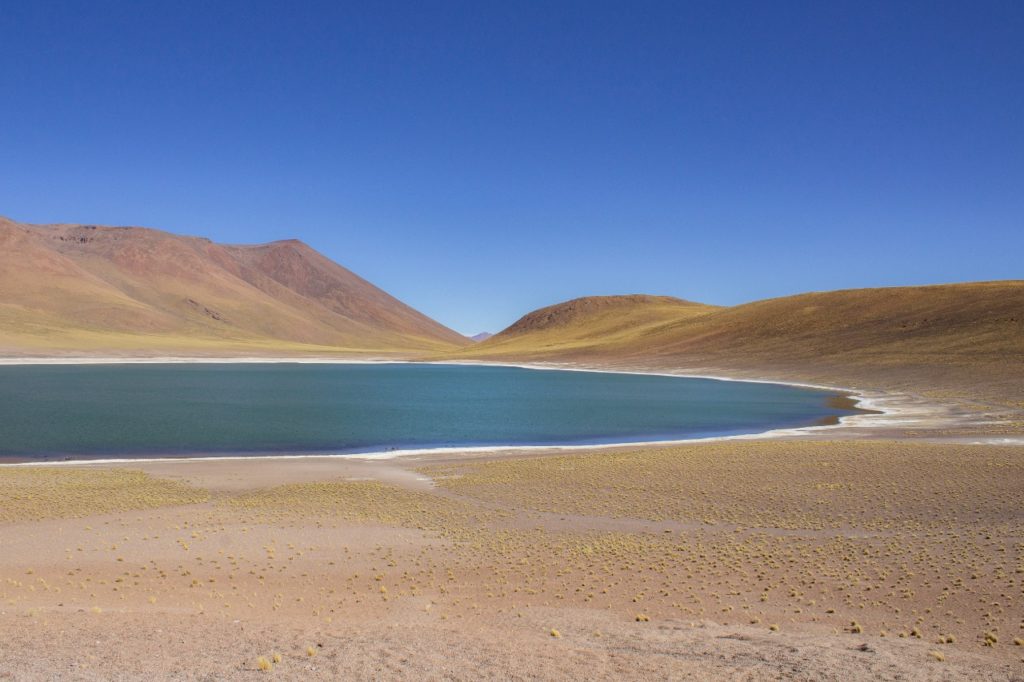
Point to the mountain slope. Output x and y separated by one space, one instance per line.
937 336
595 324
89 288
950 323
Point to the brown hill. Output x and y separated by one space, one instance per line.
72 288
936 336
946 323
592 325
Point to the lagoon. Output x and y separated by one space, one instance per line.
50 412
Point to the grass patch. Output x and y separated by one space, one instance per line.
30 494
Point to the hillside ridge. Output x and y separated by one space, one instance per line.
934 335
68 287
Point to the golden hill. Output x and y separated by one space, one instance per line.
83 288
936 336
595 324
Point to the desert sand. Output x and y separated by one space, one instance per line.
884 550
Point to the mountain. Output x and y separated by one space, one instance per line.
84 289
75 288
593 325
482 336
936 336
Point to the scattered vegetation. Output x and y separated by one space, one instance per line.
34 493
918 541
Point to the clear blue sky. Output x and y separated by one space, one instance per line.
482 159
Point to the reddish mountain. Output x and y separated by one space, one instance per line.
67 288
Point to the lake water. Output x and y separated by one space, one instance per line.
133 410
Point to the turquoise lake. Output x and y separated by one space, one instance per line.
142 410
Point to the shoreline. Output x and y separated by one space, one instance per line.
454 450
877 412
696 559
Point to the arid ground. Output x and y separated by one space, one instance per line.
839 555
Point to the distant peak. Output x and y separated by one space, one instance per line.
482 336
276 244
291 243
578 310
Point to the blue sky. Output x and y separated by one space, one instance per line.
482 159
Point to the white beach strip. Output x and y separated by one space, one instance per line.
454 450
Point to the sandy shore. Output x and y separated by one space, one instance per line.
885 549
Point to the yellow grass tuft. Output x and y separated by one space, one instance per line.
59 492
